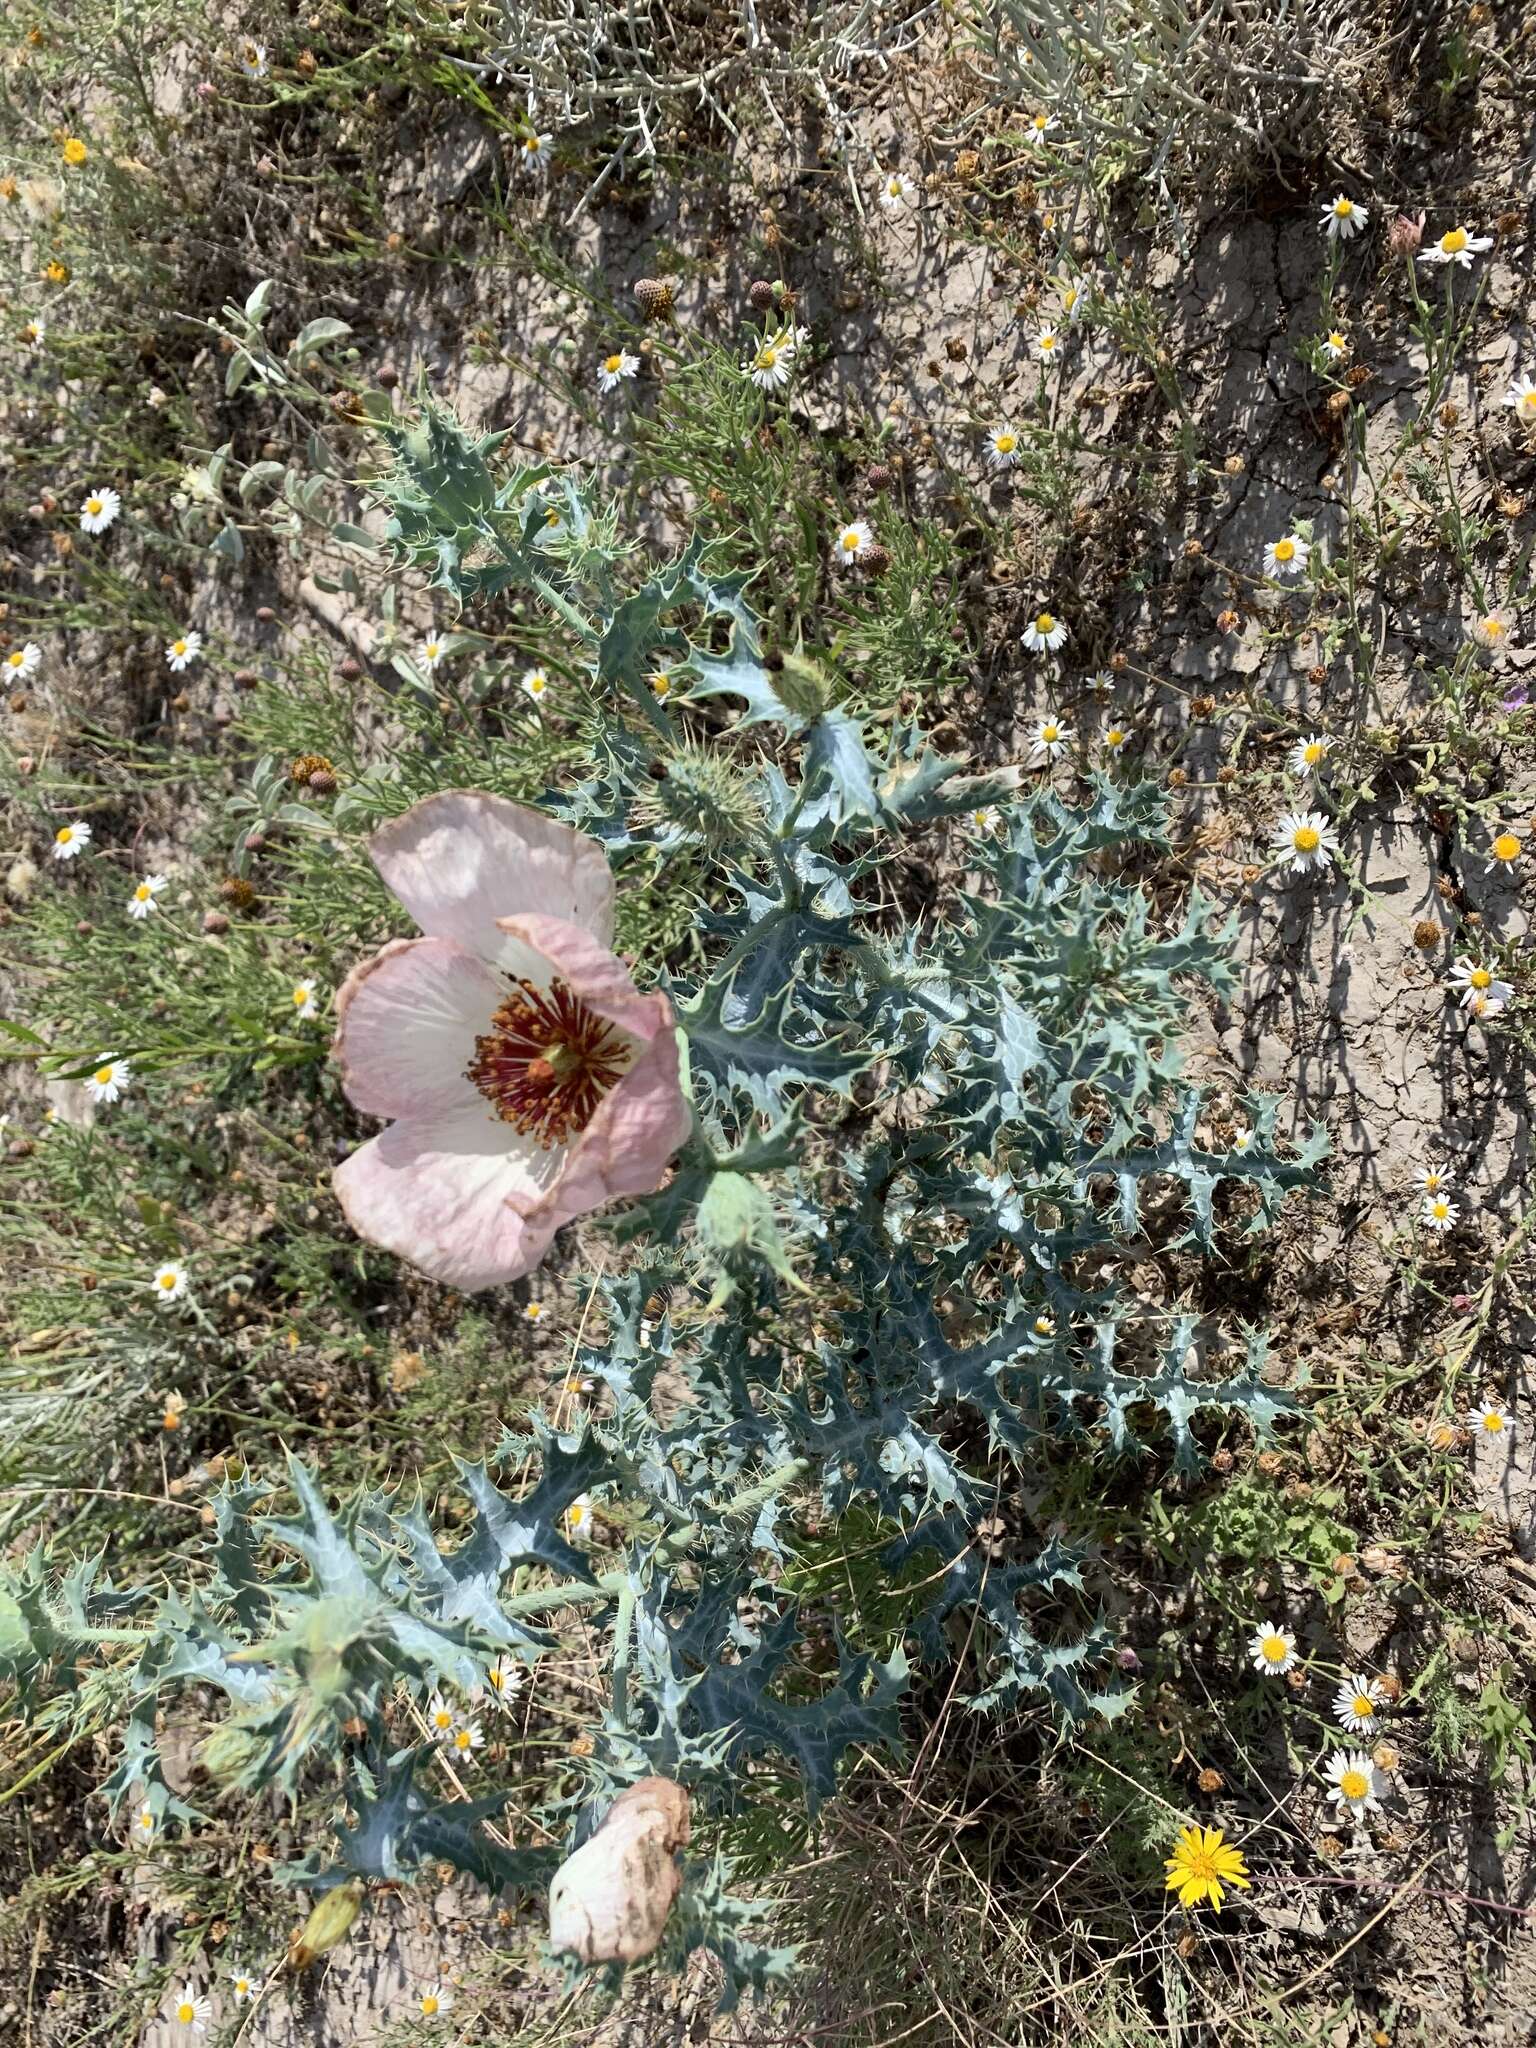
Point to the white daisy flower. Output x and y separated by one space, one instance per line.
1343 219
1356 1702
1521 396
533 151
770 367
302 997
71 840
853 542
1493 630
1038 127
181 653
1070 297
145 1827
466 1738
108 1081
1304 841
1435 1177
253 59
242 1986
1472 980
535 683
1308 755
1002 448
1355 1782
434 2001
142 901
1439 1213
505 1678
533 1312
442 1718
1480 1007
1044 1325
99 510
1117 738
431 652
987 820
1242 1139
23 661
1101 682
189 2011
1047 345
1052 738
1504 851
659 683
1489 1418
1286 556
170 1281
1045 633
1273 1651
578 1516
895 191
1456 246
1335 345
613 370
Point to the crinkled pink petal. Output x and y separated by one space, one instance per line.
440 1193
628 1146
406 1024
462 860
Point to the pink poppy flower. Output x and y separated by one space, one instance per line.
528 1078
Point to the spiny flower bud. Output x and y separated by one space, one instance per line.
880 476
322 782
875 560
801 685
329 1923
703 794
237 890
761 295
654 297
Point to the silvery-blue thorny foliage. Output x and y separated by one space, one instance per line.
885 1269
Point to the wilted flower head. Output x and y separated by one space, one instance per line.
1405 234
529 1079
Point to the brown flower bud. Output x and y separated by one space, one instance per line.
1227 621
1270 1463
1201 707
1226 774
875 559
1210 1780
879 476
1390 1686
1317 675
761 295
956 349
236 890
1178 778
1193 550
307 765
1222 1460
1426 935
654 297
1119 663
214 923
322 782
265 613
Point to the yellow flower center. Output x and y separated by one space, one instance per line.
1047 342
1364 1706
611 364
576 1515
767 358
15 660
532 144
1050 734
1041 122
143 893
1343 208
1506 847
64 835
300 998
178 647
167 1281
93 506
1005 443
1045 623
429 2006
1313 752
1480 978
103 1076
1285 550
1354 1784
1306 839
1441 1209
1069 297
1453 243
1431 1182
431 650
495 1678
851 541
1274 1649
893 187
186 2012
1493 1422
1115 737
1336 340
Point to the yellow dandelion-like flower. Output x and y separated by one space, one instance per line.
75 151
1202 1865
